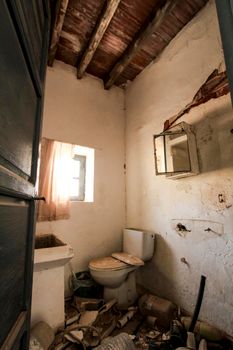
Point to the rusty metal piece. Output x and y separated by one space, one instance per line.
164 310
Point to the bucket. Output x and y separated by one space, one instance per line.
84 286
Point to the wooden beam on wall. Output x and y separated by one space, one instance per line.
214 87
97 35
136 45
58 24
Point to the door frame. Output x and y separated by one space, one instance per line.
225 18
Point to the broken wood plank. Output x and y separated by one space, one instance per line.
136 45
215 86
59 20
97 35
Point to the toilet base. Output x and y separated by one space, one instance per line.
126 294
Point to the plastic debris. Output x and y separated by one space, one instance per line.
120 342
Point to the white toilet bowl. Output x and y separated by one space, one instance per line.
117 272
118 279
110 272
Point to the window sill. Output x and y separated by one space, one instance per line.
77 201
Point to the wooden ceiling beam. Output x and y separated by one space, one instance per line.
97 35
58 24
136 45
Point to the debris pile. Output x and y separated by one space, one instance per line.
91 322
177 337
155 323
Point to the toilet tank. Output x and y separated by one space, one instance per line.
138 243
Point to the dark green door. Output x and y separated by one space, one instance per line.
24 27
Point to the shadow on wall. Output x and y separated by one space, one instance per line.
215 139
154 276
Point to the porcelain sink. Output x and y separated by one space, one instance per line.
51 252
50 257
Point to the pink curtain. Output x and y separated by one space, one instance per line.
54 180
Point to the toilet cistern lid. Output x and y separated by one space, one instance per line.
128 259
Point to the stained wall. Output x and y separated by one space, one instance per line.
199 202
83 113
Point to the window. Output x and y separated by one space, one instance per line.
82 181
77 188
65 173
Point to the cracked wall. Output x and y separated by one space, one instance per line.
202 203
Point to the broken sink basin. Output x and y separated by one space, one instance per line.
51 252
48 292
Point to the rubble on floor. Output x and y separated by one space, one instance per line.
154 323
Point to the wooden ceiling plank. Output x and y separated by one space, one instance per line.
136 45
59 20
97 35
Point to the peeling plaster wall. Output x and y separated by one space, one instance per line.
156 203
82 112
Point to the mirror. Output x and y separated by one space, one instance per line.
173 150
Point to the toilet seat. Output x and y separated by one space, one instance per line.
107 263
128 259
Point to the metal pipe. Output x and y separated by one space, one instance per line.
198 304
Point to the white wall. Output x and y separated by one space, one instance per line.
153 201
82 112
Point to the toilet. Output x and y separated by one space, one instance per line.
117 272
